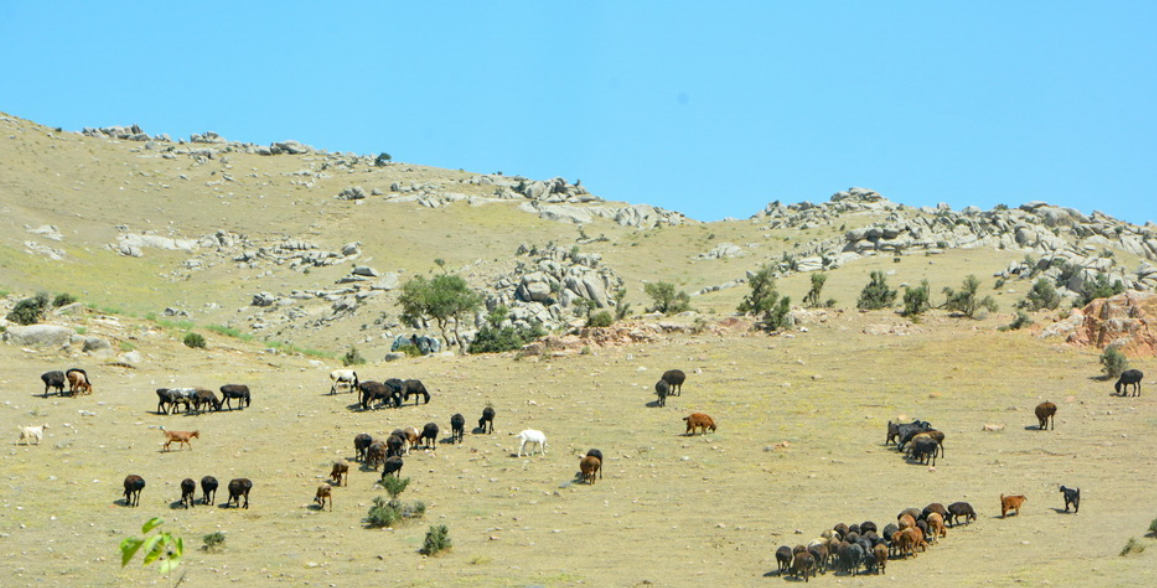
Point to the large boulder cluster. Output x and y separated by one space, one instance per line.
545 288
1124 321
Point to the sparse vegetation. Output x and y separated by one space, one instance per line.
437 540
916 300
63 299
1113 362
1042 296
352 357
494 337
29 311
876 295
444 299
214 541
1133 547
667 300
385 513
602 318
812 299
1100 287
1021 321
965 301
765 302
195 341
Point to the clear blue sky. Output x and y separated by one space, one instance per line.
713 109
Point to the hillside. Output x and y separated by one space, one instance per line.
283 257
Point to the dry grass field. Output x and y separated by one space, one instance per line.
671 510
802 415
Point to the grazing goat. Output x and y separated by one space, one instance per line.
1046 413
412 437
133 486
674 379
598 454
347 379
169 398
905 541
851 557
188 490
393 465
1073 497
340 471
457 428
415 388
867 527
820 553
324 492
181 437
371 391
935 507
531 436
1129 377
239 488
31 432
486 423
803 563
208 489
207 398
898 430
361 444
1010 503
429 436
936 528
698 420
376 454
53 379
909 431
589 466
783 557
78 382
923 449
960 509
880 554
395 446
662 390
238 392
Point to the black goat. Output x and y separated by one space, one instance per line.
457 427
133 486
415 388
662 390
205 398
1128 377
486 423
371 391
429 436
393 466
53 379
395 446
239 488
361 444
239 392
1072 497
906 432
675 379
188 490
783 559
960 509
208 489
924 450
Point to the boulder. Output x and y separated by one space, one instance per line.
1123 320
39 336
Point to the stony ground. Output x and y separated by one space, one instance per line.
799 448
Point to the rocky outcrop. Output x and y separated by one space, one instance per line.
1125 321
39 336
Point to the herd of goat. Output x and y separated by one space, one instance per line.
846 549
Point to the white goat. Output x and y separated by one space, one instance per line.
27 433
343 379
531 436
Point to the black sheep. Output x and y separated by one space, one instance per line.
1128 377
371 391
208 489
133 486
906 432
239 392
361 443
1072 497
960 509
393 466
457 428
486 423
395 446
415 388
188 490
924 450
239 488
53 379
662 390
675 379
429 436
783 559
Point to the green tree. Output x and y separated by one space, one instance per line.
812 300
1042 296
29 311
965 301
162 547
765 302
495 338
667 300
916 300
445 299
876 294
1100 287
1113 362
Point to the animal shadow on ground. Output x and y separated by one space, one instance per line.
316 507
653 404
1062 511
121 502
1033 428
477 431
176 504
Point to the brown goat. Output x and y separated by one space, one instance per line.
590 466
1010 503
341 470
78 382
699 420
936 527
324 492
1046 413
905 540
181 437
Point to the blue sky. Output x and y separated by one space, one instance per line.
711 109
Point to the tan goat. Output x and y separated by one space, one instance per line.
181 437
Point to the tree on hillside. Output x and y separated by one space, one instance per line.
916 300
444 298
876 294
765 302
966 301
1042 296
812 300
667 300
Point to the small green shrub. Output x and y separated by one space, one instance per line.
63 299
1021 321
1153 527
382 514
30 310
214 541
195 341
410 350
965 301
1113 362
437 540
1133 546
394 486
601 318
667 300
812 299
916 300
876 295
1043 295
353 357
1100 287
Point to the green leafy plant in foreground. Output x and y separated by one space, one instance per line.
161 547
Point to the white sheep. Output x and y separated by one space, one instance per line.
27 433
531 436
343 379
